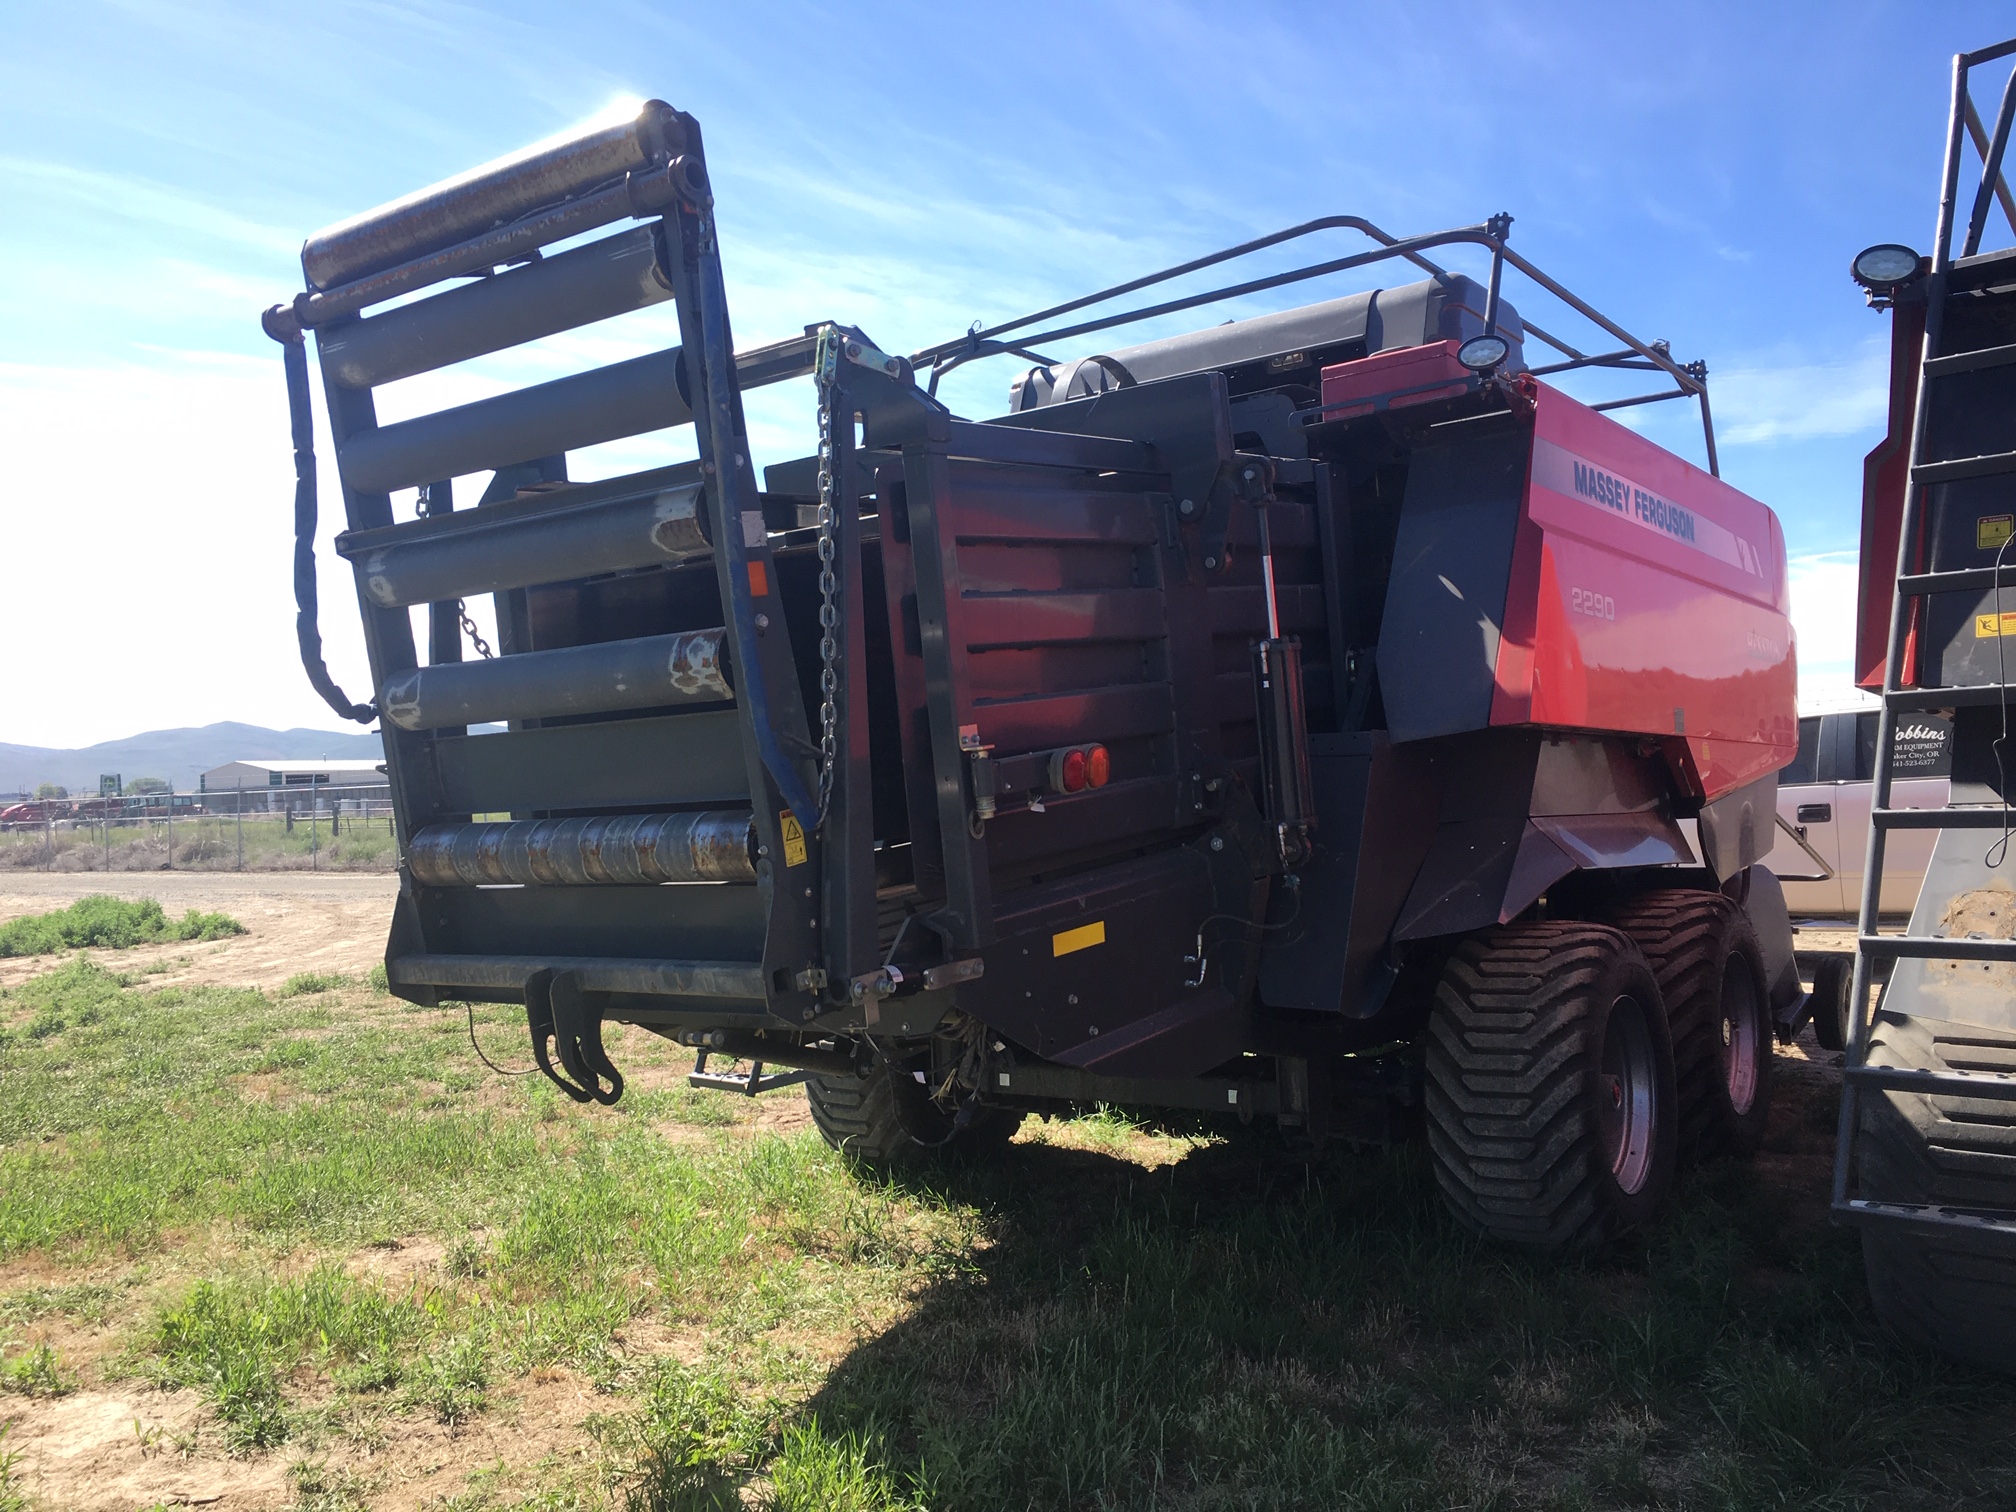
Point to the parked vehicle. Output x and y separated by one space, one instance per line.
1290 718
1824 796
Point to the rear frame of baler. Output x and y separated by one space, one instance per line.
666 863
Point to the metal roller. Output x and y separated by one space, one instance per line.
578 287
605 404
634 850
655 527
492 194
608 677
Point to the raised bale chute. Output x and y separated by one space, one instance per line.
1292 719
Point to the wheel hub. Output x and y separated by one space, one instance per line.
1742 1044
1628 1106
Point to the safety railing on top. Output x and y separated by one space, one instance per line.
1690 380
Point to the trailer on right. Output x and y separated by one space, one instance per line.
1925 1164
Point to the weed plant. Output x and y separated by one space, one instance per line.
109 923
1110 1315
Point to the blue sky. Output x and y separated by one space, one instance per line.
1702 173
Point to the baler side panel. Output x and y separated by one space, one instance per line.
1885 474
1656 600
1439 641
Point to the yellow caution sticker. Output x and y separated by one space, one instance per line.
1084 937
1985 627
1990 531
794 838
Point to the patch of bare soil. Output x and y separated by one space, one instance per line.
106 1451
536 1434
402 1262
329 922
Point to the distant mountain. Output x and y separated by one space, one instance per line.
178 755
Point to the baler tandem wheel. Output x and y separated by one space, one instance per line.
1711 979
1550 1096
886 1118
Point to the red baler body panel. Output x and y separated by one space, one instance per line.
1647 597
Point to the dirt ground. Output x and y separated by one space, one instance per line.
327 922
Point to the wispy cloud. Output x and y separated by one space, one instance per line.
1762 401
128 197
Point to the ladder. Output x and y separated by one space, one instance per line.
1905 692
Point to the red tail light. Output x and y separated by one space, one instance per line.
1071 771
1076 768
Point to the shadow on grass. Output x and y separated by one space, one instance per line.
1243 1328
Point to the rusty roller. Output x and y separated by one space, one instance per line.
494 194
612 850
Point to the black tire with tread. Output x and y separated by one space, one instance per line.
858 1116
1833 980
1951 1293
1514 1054
1688 936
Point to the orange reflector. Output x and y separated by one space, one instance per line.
1098 766
759 580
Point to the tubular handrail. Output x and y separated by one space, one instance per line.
1690 379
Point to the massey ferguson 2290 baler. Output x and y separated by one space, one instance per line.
1304 718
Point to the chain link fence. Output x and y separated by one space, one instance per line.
318 828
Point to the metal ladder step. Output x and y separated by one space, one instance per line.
1970 362
1936 948
749 1084
1957 580
1997 1086
1926 1217
1994 464
1942 818
1920 699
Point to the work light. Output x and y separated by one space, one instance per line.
1887 265
1481 354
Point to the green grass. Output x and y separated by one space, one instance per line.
12 1499
35 1372
1107 1317
111 923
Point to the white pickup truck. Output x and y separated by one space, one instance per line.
1825 796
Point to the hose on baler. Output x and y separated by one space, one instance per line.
281 325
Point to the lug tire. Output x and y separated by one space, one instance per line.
1536 1137
1711 978
1833 980
858 1116
1950 1292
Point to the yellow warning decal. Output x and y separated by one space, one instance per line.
1084 937
1990 531
1985 628
794 838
